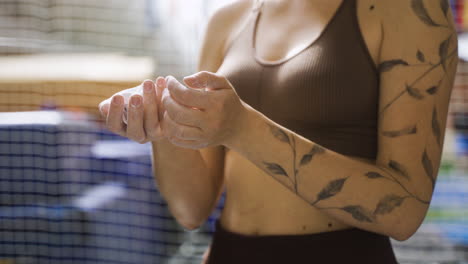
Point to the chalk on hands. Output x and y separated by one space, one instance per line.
126 94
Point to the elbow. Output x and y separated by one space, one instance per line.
401 234
189 224
403 224
402 231
190 220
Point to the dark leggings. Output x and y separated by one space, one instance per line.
343 246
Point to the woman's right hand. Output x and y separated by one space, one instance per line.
143 115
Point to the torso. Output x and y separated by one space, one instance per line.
255 202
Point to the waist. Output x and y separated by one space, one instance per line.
257 204
343 246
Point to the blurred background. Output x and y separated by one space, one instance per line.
72 192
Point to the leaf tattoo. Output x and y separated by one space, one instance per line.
388 203
399 168
307 158
443 51
427 164
398 133
436 126
414 92
390 64
359 213
444 5
333 188
420 56
433 90
374 175
276 169
279 134
421 11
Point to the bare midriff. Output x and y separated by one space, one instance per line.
257 204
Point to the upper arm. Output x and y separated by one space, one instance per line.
417 70
218 32
222 25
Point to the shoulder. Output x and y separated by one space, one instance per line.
408 15
421 24
230 14
222 25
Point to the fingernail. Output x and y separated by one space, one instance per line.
136 101
148 88
197 83
192 81
117 100
160 83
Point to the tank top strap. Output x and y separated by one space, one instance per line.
257 6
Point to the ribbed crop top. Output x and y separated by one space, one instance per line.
327 93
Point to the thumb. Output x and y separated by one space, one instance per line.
206 79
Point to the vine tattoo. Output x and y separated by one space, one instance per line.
395 171
444 55
277 169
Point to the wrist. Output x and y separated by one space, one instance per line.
161 142
243 128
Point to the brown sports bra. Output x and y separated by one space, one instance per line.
327 93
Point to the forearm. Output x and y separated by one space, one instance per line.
365 195
185 181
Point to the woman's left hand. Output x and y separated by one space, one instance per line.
206 112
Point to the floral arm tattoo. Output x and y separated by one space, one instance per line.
395 171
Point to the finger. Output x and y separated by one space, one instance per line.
181 114
205 79
150 109
187 96
135 123
160 87
173 129
114 118
104 108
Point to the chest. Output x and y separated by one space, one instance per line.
283 35
332 81
308 89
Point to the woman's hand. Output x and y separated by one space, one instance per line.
206 113
143 112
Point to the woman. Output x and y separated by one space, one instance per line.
324 122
